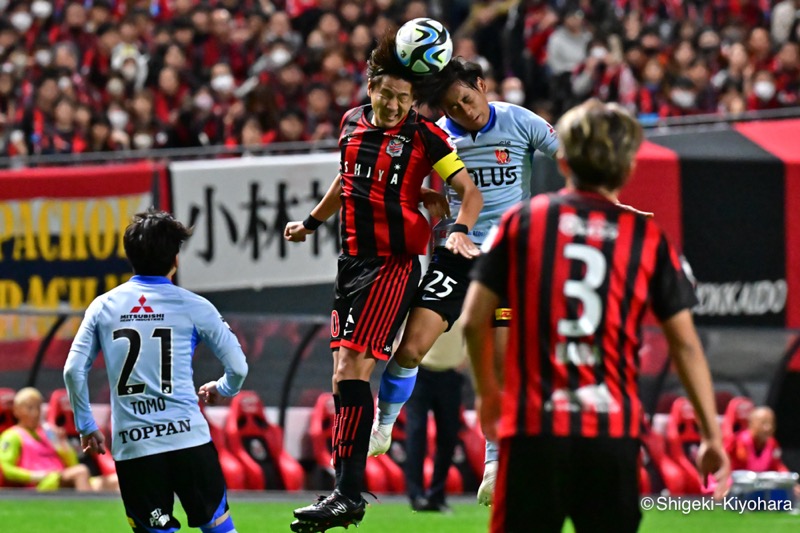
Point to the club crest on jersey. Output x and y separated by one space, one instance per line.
503 156
395 147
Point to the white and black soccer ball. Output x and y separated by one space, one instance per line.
424 46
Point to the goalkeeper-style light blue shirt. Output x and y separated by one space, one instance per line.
499 157
148 329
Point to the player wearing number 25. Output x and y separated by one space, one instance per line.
148 329
579 272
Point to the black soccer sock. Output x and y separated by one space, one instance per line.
358 408
337 413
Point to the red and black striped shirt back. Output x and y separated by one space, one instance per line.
579 272
382 171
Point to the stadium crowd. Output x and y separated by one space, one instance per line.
104 75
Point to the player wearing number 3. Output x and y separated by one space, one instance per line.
579 272
148 329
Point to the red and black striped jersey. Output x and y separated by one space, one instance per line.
382 171
579 272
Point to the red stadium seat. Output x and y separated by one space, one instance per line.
258 445
683 439
662 471
7 408
736 416
381 474
59 413
232 469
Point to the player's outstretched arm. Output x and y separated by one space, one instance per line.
687 355
471 204
296 231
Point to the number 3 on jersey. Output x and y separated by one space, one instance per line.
584 290
134 349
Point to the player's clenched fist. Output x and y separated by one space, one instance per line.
296 231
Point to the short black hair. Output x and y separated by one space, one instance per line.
383 61
430 90
152 241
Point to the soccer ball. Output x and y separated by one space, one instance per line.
424 46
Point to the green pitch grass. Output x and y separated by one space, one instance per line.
54 514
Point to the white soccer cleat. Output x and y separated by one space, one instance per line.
486 490
380 440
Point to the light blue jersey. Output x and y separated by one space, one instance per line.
499 157
148 329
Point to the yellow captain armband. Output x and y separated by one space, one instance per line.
447 166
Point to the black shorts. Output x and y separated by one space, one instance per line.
371 299
444 288
445 285
148 485
542 480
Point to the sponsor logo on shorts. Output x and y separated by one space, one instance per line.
158 519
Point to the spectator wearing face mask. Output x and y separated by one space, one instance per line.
682 100
596 75
118 117
42 20
18 14
146 130
762 93
512 91
131 65
200 124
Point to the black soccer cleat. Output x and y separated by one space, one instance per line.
336 510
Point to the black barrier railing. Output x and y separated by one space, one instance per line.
713 119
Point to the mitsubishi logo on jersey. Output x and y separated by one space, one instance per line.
141 306
503 156
142 313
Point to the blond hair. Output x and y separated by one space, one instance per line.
26 394
599 142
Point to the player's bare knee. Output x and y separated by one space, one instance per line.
410 355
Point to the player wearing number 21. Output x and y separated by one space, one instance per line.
148 329
579 272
